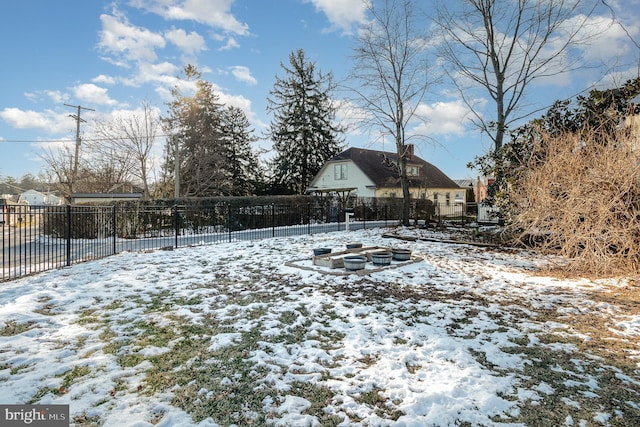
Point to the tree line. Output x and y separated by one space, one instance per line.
489 49
208 148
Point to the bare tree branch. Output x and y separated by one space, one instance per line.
503 47
391 66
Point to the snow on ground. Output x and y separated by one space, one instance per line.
234 334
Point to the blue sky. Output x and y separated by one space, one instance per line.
110 56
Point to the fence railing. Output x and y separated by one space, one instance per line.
40 238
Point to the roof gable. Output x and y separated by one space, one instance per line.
381 167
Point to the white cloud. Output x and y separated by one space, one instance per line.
104 79
47 120
231 44
88 92
243 74
32 96
190 44
242 103
608 40
163 72
125 42
342 14
216 14
57 96
442 118
53 95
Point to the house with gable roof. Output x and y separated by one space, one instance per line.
371 173
33 198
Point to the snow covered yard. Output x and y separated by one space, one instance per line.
228 334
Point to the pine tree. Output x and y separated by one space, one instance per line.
303 133
195 136
242 161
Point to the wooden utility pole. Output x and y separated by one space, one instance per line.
78 119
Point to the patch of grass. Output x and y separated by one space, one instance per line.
412 369
481 357
152 334
40 393
13 327
113 342
46 310
88 316
576 385
68 379
160 302
16 369
113 305
130 360
71 376
320 397
84 420
368 360
188 301
381 404
221 384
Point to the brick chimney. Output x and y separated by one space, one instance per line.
408 151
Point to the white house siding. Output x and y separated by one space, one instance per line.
33 197
354 178
456 195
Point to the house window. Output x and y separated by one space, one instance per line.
340 172
435 198
447 197
412 170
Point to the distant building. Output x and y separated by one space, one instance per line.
36 198
371 173
632 120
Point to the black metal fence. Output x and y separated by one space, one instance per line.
40 238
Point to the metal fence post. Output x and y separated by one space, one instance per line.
308 218
229 221
68 235
115 228
386 214
364 215
273 220
176 226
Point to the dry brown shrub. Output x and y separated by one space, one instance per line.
579 197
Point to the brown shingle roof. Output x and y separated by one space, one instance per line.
381 167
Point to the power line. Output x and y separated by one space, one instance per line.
78 140
32 141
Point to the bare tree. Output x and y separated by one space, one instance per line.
60 161
127 142
97 172
390 63
503 46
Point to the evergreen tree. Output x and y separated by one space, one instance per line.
303 133
242 161
195 145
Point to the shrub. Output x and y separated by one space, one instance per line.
578 195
